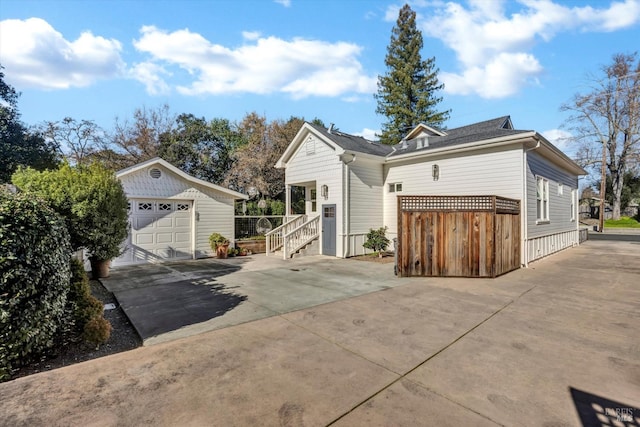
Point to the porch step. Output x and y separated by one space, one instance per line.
312 248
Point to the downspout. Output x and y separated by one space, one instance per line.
346 215
525 215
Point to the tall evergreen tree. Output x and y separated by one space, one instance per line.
407 92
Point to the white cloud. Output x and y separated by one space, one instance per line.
285 3
36 55
150 75
298 67
558 137
493 48
370 134
251 35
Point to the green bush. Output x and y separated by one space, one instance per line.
81 305
97 330
34 278
377 240
90 198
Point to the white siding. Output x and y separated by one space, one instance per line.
560 232
213 211
322 166
365 203
496 171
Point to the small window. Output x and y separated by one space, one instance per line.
312 196
164 207
145 206
542 199
330 212
182 207
155 173
560 189
395 187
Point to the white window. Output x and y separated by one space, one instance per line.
395 187
542 199
574 194
313 194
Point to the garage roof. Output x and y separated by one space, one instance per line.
186 176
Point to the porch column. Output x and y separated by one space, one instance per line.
287 201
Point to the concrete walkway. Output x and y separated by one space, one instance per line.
552 345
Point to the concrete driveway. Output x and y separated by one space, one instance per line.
553 345
180 299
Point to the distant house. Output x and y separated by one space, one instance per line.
351 183
172 214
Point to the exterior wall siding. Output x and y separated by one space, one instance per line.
365 204
560 231
213 211
489 172
318 162
559 204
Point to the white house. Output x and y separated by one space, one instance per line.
172 214
351 183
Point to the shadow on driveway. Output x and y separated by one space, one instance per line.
162 298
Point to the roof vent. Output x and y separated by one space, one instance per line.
155 173
330 128
404 144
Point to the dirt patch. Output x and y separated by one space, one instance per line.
123 337
387 257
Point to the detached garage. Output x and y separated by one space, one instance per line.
172 214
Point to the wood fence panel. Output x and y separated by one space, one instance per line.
464 239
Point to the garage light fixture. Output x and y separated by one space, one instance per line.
435 172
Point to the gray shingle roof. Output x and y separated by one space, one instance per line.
481 131
488 129
354 143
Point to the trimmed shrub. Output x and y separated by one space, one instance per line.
97 330
81 305
34 278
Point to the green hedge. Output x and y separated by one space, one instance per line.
34 278
90 198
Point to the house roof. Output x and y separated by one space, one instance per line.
352 142
184 175
489 129
424 141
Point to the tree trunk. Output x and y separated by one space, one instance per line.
617 181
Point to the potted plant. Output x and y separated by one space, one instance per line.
232 252
219 244
242 251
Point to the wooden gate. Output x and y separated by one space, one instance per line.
465 236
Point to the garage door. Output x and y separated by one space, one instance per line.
161 230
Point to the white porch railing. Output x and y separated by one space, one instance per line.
300 236
274 238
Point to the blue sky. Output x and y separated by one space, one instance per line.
97 60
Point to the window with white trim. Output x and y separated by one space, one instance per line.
542 199
313 194
574 195
395 187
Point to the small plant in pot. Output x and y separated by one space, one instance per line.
219 244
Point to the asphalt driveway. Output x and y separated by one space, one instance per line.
179 299
552 345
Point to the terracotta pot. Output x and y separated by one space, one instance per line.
100 268
221 251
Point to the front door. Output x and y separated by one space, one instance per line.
329 230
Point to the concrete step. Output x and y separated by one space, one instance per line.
312 248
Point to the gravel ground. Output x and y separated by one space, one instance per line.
123 337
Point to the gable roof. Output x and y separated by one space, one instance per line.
489 129
184 175
427 140
352 142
